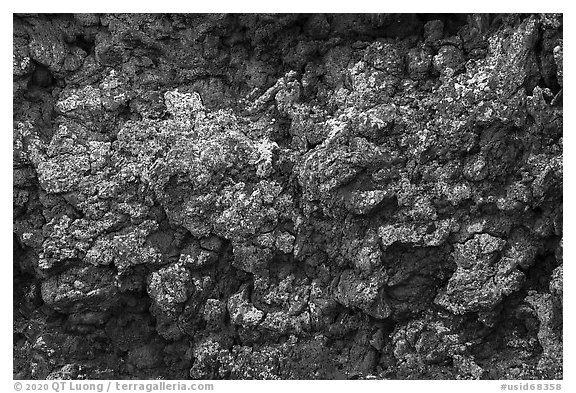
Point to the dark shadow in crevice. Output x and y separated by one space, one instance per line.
538 275
452 22
87 45
41 78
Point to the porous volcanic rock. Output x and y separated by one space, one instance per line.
287 196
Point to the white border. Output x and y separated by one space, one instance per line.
311 6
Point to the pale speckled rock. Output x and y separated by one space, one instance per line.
287 196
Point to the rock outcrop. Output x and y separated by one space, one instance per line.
287 196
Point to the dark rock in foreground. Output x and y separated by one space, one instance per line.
288 196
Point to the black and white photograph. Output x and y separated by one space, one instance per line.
287 196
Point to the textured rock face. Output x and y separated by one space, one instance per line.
287 196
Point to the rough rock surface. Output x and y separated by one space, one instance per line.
287 196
